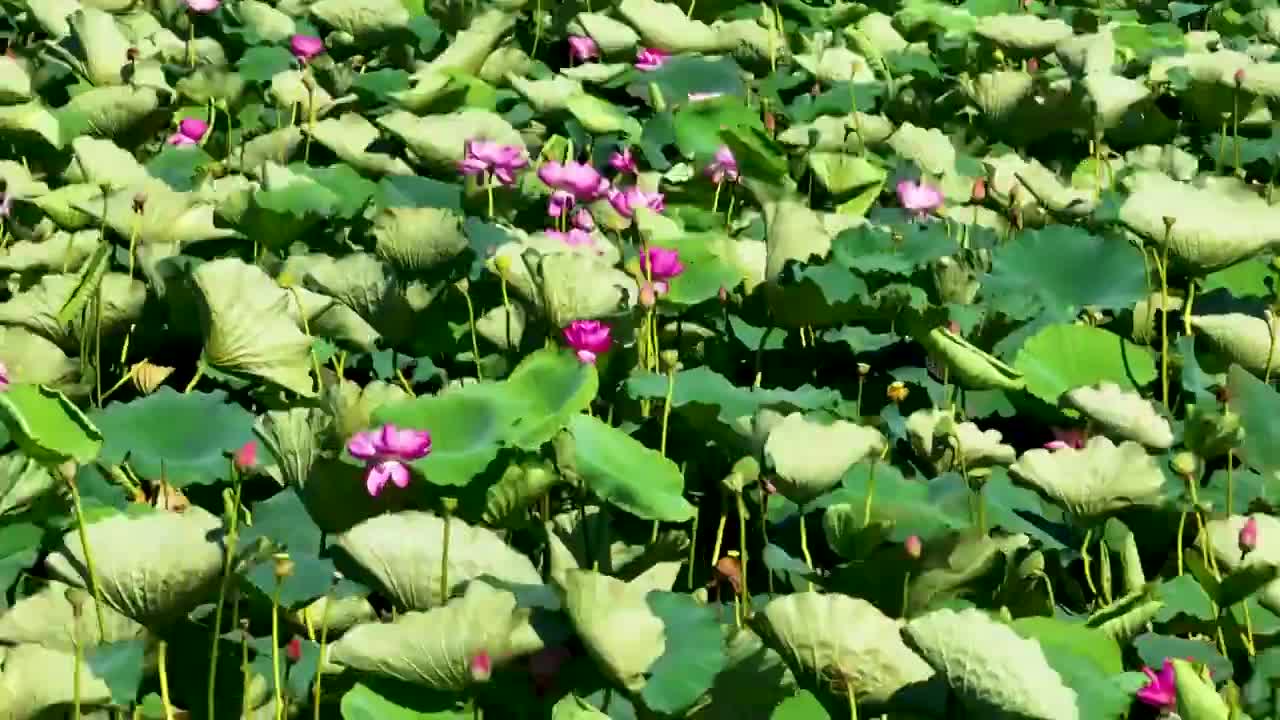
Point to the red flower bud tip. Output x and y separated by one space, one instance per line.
724 295
481 667
1239 76
979 189
648 298
294 650
1033 66
247 456
954 327
914 547
1249 535
770 122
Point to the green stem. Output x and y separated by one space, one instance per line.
715 199
79 652
444 561
871 493
1084 557
233 522
471 323
742 550
88 559
666 410
276 674
804 545
191 36
162 651
324 641
693 546
724 517
194 378
853 701
1164 322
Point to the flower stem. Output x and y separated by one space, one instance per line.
324 641
742 550
276 674
666 410
488 186
715 199
191 35
162 651
1084 557
1164 322
194 378
693 546
724 516
233 512
804 545
88 559
871 493
444 559
79 653
471 323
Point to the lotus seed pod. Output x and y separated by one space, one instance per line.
1033 65
449 505
729 568
1239 77
670 360
503 263
246 458
723 295
78 598
139 202
283 566
748 467
734 482
897 392
1185 464
293 650
863 369
148 377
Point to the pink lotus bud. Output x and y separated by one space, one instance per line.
294 650
481 667
913 546
1249 535
247 456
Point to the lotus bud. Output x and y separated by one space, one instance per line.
897 392
503 263
294 649
449 505
1185 463
481 667
132 54
767 485
723 295
770 122
979 190
1223 393
283 566
648 298
670 360
140 202
1249 535
729 568
1033 66
863 369
1168 222
1239 77
78 598
913 546
748 467
247 456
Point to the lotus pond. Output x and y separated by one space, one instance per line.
572 359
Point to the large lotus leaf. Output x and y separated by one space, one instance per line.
755 679
248 328
928 148
582 287
1210 229
1247 340
153 567
37 680
848 642
47 426
841 173
610 35
290 92
38 307
107 111
836 64
969 366
351 406
1197 698
102 163
1088 53
1113 96
833 133
435 648
106 49
1063 357
1224 541
47 618
469 48
949 445
954 563
520 487
588 539
277 146
440 139
183 439
998 93
35 359
417 239
1122 414
624 472
24 483
793 232
61 205
503 325
1024 31
265 21
15 81
601 116
996 672
599 606
403 552
546 95
32 117
665 26
359 281
364 20
349 137
811 452
168 217
293 437
339 614
1095 480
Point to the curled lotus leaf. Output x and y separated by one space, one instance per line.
666 26
293 438
266 21
503 325
24 484
169 217
950 445
351 406
37 307
349 137
105 48
836 64
1113 96
1197 697
102 163
36 359
811 452
337 614
996 672
506 61
61 205
32 117
1247 340
289 90
1023 31
468 51
849 643
610 35
440 140
15 81
361 19
570 286
998 93
417 239
546 95
833 133
409 572
1123 414
955 562
277 146
1204 229
1224 541
599 605
36 680
435 648
970 366
51 254
1095 480
152 582
880 33
1088 53
108 111
47 618
19 181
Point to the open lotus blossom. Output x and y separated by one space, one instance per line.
482 157
385 452
651 58
583 220
723 167
573 238
701 96
305 47
560 203
1249 535
626 201
4 377
588 338
1161 690
190 132
582 48
1064 438
623 161
919 198
246 458
203 6
584 182
660 264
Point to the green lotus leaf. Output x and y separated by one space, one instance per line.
949 445
24 484
572 707
409 572
435 648
19 181
168 217
578 286
440 139
811 452
624 472
1197 699
61 205
665 26
352 406
1024 32
469 48
589 540
841 173
1243 339
365 20
546 95
1122 414
35 359
290 92
51 254
969 366
995 672
359 281
998 93
103 163
47 618
502 326
1095 480
503 62
184 438
1210 229
601 116
15 81
595 73
349 136
36 680
417 239
954 563
754 680
248 328
835 64
231 196
846 640
37 308
598 605
1062 357
1223 536
32 118
834 133
277 146
107 111
265 21
293 438
153 582
928 148
610 35
519 488
47 426
338 614
1168 159
105 48
1113 96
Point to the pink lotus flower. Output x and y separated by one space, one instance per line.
203 6
1064 438
588 338
723 167
190 132
305 47
560 203
573 238
651 59
1161 690
4 377
246 458
583 220
1249 535
481 667
582 48
385 452
919 198
661 265
699 97
583 181
500 161
626 201
623 161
